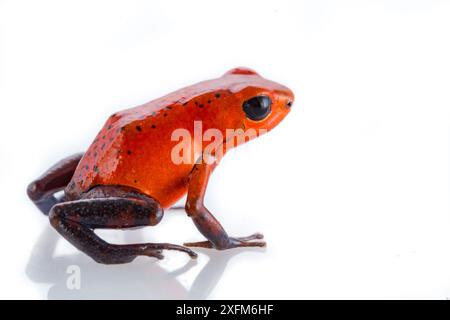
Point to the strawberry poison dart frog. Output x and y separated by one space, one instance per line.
140 163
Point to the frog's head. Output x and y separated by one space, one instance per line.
259 103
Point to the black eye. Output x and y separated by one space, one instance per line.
257 108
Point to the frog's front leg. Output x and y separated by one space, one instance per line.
205 221
110 207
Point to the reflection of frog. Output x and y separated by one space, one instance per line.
127 176
139 280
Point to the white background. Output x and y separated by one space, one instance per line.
351 190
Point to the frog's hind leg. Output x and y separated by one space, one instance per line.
42 190
113 208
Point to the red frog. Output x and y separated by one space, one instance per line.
128 176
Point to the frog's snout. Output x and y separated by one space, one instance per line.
288 98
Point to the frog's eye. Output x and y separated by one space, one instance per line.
257 108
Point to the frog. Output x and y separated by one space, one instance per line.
127 178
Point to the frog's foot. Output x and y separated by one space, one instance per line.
155 250
237 242
114 208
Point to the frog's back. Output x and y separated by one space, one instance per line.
134 146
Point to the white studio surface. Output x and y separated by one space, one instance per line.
351 191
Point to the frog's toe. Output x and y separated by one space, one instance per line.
155 250
199 244
261 244
191 253
153 253
255 236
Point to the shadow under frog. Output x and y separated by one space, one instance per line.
142 279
